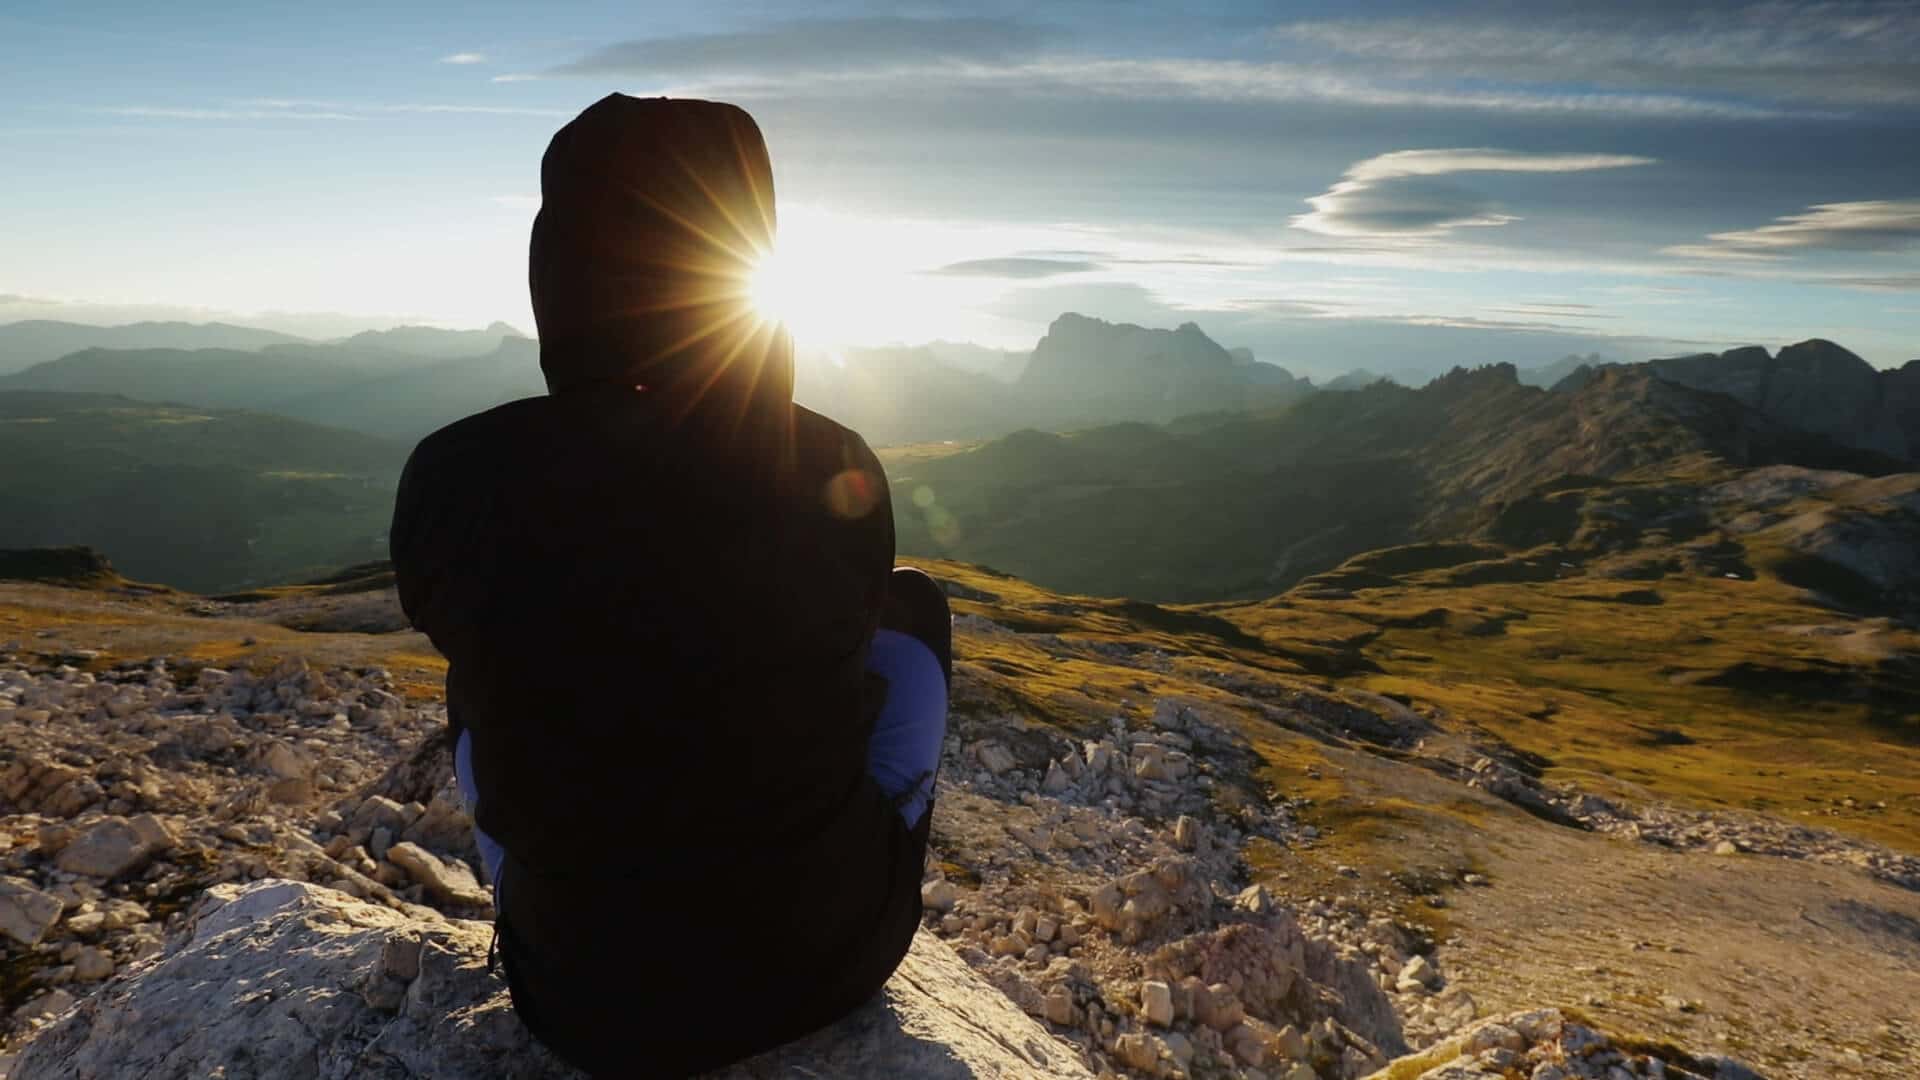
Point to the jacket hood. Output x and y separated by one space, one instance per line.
653 213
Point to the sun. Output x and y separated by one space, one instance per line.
836 279
776 288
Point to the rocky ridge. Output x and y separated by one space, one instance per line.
1099 884
283 971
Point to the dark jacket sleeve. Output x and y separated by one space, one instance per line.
434 515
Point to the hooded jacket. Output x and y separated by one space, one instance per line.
655 588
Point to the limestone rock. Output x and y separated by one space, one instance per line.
449 880
938 895
1156 1003
1418 974
283 978
995 758
26 913
107 850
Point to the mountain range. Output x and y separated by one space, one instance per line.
36 341
1123 460
1251 504
1814 384
406 382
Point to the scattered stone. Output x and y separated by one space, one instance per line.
938 895
995 758
1156 1003
1418 974
268 945
26 913
92 964
106 850
449 881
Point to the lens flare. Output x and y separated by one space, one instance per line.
776 288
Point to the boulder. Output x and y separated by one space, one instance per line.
107 850
26 913
449 880
283 978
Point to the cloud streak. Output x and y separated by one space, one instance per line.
814 45
1017 267
464 58
303 110
168 112
1853 52
1400 194
936 57
1875 225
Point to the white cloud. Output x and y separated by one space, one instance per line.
1845 52
1872 282
166 112
819 44
1397 194
1273 82
465 58
1874 225
301 109
1230 82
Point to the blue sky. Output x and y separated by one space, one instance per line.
1400 186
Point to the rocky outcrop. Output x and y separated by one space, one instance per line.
1090 370
1814 385
1543 1044
284 978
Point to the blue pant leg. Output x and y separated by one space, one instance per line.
904 754
492 855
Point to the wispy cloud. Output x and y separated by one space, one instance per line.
464 58
1017 267
296 105
1875 225
303 110
1870 282
1274 82
1847 52
815 45
942 57
168 112
1397 194
1551 312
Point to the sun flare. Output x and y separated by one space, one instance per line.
775 288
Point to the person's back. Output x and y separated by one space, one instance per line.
657 588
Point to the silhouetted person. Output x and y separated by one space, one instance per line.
701 768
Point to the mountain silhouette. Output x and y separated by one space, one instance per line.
36 341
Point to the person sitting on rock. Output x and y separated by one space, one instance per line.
696 709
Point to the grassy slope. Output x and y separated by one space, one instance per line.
199 498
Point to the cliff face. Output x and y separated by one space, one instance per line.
286 978
1087 369
1817 386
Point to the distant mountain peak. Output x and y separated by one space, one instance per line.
1093 371
1500 374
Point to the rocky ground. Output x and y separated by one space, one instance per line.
1145 886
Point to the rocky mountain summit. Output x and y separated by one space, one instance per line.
1093 371
1814 385
278 971
283 851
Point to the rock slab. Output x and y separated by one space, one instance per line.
287 979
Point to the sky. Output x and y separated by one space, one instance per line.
1401 186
